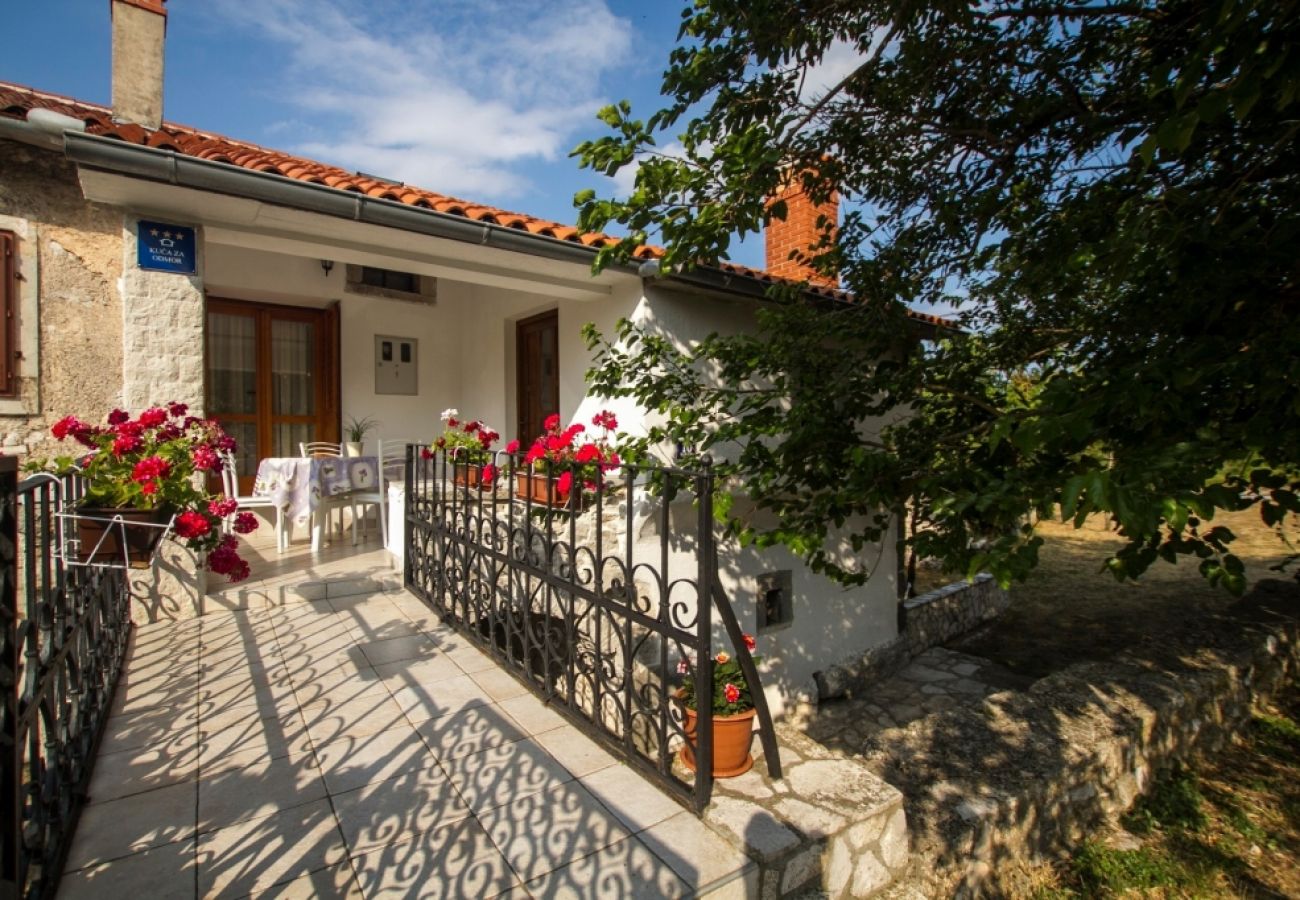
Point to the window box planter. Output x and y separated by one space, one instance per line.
112 535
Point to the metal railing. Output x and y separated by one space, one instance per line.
63 640
600 600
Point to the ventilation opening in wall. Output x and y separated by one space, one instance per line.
775 601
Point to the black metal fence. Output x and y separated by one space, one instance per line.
63 639
600 598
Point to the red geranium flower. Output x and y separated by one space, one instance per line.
605 419
152 418
118 416
245 522
178 410
126 443
512 447
192 524
149 468
206 459
731 692
552 422
223 507
750 643
564 484
588 453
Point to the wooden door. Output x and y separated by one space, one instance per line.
537 367
271 378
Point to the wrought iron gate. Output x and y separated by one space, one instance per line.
63 639
600 599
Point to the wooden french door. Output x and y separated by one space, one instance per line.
272 378
537 368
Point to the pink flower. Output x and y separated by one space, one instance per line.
750 643
206 459
126 443
245 522
731 692
552 422
512 447
222 507
149 468
192 524
722 657
564 484
683 667
605 419
152 418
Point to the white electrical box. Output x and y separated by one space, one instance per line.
396 365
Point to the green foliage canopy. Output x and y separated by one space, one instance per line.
1107 193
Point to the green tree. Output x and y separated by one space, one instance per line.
1108 193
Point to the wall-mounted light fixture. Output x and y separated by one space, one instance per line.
326 265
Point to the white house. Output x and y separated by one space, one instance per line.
149 262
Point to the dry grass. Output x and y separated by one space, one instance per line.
1068 610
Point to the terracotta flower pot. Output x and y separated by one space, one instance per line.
467 474
535 487
732 736
103 540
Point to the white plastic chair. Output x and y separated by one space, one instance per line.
392 464
230 485
329 450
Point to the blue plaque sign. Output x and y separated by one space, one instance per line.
165 248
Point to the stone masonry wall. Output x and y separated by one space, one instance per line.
927 621
1027 774
77 264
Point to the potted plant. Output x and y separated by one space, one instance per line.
558 457
151 470
733 714
469 445
356 430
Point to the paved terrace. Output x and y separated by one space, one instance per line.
321 734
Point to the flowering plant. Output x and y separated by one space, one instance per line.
730 689
466 441
587 459
155 461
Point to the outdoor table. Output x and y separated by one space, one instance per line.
297 484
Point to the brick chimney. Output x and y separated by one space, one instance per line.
799 233
139 27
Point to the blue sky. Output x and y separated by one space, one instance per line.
481 100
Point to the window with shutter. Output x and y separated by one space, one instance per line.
9 312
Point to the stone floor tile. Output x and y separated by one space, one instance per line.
631 797
131 698
160 726
331 883
117 828
361 712
236 739
395 650
413 672
259 853
422 702
464 654
163 873
504 774
142 769
452 861
531 714
325 683
351 761
699 856
265 787
543 831
499 684
383 812
579 754
623 869
469 731
273 686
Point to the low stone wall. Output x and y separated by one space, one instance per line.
828 825
927 621
1026 775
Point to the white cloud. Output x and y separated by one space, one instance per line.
452 96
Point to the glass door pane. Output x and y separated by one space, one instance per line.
293 385
232 382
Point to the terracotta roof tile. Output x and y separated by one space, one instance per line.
17 100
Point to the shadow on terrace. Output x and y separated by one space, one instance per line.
320 731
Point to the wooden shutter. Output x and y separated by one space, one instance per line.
9 312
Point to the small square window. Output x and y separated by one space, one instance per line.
775 600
